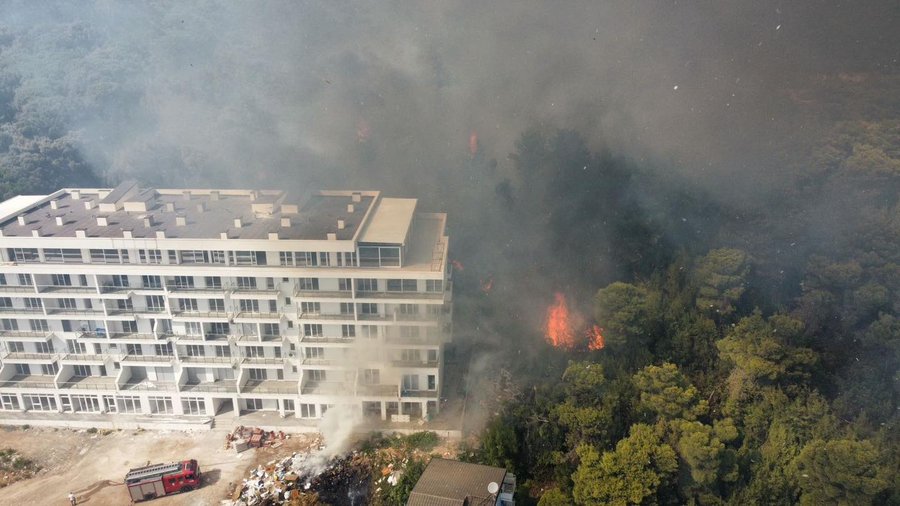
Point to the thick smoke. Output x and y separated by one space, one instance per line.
387 94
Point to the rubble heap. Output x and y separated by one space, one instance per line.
303 479
242 438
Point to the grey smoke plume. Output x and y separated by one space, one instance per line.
387 94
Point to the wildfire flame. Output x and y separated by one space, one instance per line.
595 338
559 325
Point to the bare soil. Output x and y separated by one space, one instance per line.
93 465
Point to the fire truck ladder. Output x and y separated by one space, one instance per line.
144 472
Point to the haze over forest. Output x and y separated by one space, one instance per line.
714 183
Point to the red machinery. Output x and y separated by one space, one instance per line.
158 480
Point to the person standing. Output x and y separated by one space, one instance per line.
72 499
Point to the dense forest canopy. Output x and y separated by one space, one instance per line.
737 245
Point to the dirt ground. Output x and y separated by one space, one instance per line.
94 465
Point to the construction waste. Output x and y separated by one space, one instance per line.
301 479
242 438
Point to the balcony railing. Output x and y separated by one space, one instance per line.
414 363
378 390
263 360
66 289
148 358
326 316
220 387
270 386
331 294
12 356
326 388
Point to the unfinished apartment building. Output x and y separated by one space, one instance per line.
145 301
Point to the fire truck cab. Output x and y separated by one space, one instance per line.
157 480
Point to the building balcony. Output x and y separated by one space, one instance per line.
26 312
346 341
368 390
204 360
105 383
195 291
135 336
109 288
305 361
271 387
257 317
327 316
399 296
156 360
16 290
75 313
214 387
414 363
31 381
25 335
254 293
83 358
375 317
326 388
67 289
323 294
149 385
418 393
190 315
253 338
263 361
28 358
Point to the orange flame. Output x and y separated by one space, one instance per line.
595 338
559 325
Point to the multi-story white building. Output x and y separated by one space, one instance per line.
202 302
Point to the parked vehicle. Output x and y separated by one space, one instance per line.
150 482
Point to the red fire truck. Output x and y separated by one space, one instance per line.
149 482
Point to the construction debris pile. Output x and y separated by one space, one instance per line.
305 479
242 438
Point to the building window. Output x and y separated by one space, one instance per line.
187 305
39 402
366 285
253 404
371 376
160 405
44 347
105 256
39 325
151 282
128 404
406 331
248 305
134 349
194 257
408 308
402 285
33 303
314 352
16 346
219 328
270 329
85 404
324 259
63 280
217 305
246 257
195 350
305 259
163 350
410 382
369 331
223 351
9 402
49 369
183 282
286 258
434 285
75 347
307 410
316 374
9 324
23 370
312 330
254 351
368 308
410 356
217 257
345 284
25 255
246 283
348 330
308 284
25 280
213 282
193 406
150 256
81 371
257 374
156 302
310 308
67 304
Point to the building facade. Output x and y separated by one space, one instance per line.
203 302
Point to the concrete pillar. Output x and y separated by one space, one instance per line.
20 400
145 404
424 409
236 406
280 406
383 410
